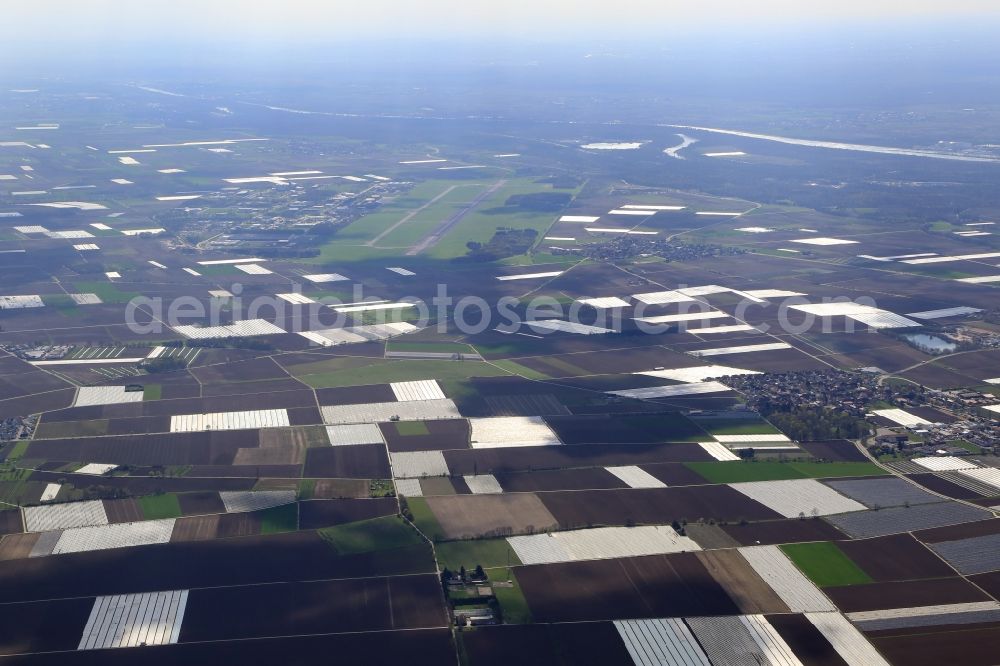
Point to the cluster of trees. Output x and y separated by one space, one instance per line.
813 424
478 575
544 202
505 243
163 364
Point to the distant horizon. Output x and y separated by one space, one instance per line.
105 23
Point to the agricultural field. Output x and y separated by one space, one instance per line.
825 564
396 373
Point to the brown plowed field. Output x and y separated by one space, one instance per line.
709 536
334 488
242 371
806 641
783 531
944 487
625 429
440 485
747 590
580 644
41 627
675 474
988 581
963 531
277 446
294 609
654 586
652 506
968 646
836 450
315 514
441 435
897 557
568 479
23 379
526 404
304 416
365 461
286 399
355 395
195 528
197 504
189 448
268 386
472 515
245 471
10 521
17 546
878 596
173 566
145 485
425 647
123 510
34 404
492 461
238 524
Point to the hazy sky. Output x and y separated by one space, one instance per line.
132 20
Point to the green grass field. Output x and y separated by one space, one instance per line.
367 536
736 426
160 506
424 518
18 449
818 470
735 472
482 222
423 223
55 429
512 601
370 226
284 518
306 489
106 291
825 564
411 428
434 347
518 369
489 553
152 391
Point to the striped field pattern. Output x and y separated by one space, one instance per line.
132 620
797 497
926 616
119 535
419 390
483 484
770 642
727 641
600 543
378 412
350 435
64 516
242 501
849 643
798 592
415 464
663 641
636 477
